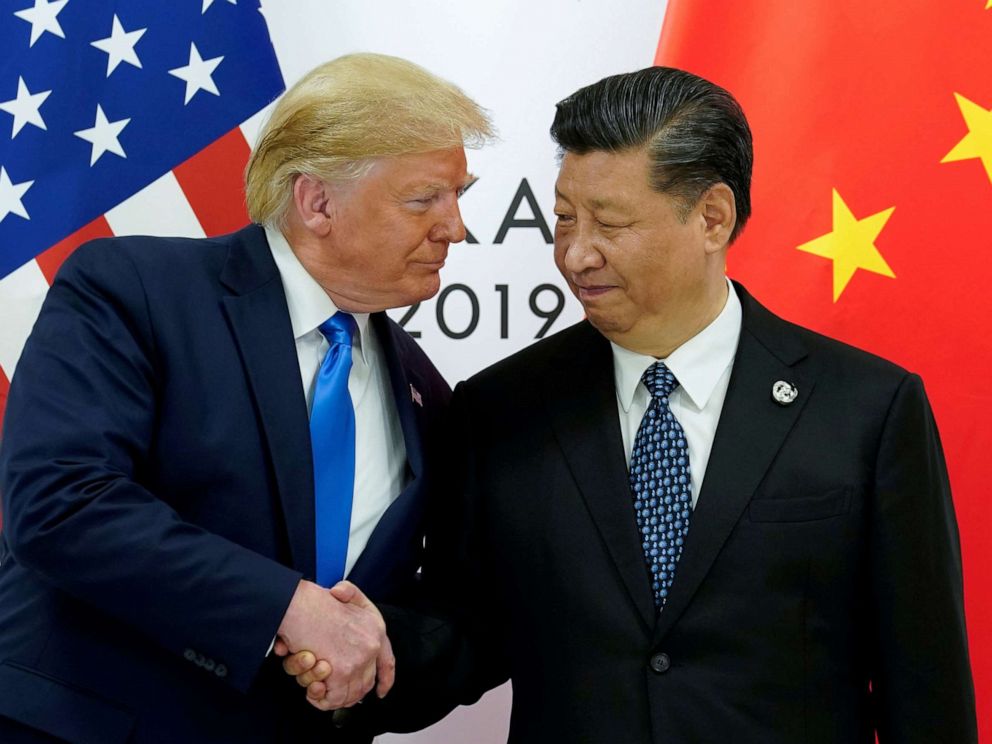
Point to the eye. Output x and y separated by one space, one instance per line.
565 218
610 226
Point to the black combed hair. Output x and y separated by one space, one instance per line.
695 131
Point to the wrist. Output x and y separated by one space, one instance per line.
296 613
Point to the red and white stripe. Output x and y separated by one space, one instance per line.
203 196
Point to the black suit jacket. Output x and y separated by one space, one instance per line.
158 498
818 598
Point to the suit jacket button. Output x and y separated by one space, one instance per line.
189 654
220 670
660 663
209 665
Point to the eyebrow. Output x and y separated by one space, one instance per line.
435 186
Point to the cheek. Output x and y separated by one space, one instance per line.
402 233
394 249
646 274
414 245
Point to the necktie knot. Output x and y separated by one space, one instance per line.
659 380
339 329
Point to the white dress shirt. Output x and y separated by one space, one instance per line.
702 366
380 453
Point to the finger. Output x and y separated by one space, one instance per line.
354 692
316 690
335 697
360 683
320 671
299 663
385 668
279 648
368 682
362 686
321 704
345 591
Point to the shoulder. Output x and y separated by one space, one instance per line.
153 258
167 275
854 382
795 343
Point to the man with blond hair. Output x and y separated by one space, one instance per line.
204 435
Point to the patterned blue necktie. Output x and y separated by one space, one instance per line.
332 439
660 482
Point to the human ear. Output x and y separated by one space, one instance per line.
311 200
719 210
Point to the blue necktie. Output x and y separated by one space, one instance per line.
660 482
332 439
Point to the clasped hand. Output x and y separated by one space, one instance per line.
335 644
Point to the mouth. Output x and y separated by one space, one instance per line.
430 265
593 291
439 258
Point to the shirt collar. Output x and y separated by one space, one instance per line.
309 305
697 364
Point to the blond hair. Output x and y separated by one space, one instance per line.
344 114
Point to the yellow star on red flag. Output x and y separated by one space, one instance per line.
978 142
851 244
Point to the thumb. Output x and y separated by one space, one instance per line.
345 591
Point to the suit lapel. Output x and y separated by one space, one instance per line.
751 430
404 382
382 545
581 398
259 320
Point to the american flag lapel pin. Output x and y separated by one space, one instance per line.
415 396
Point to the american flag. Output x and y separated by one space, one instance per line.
119 117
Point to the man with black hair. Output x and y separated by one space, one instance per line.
685 519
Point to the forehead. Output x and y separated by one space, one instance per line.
443 168
601 179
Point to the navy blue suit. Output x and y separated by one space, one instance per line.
158 498
818 598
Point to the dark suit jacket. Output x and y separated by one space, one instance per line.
158 497
818 599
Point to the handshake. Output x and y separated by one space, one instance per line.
334 642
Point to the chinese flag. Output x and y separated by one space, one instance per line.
872 202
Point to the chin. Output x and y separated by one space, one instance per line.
605 324
610 325
426 289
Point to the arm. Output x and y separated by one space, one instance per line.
450 649
922 677
79 431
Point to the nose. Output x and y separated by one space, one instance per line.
449 226
577 253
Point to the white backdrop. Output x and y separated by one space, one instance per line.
517 58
